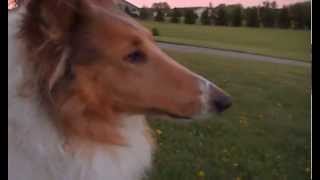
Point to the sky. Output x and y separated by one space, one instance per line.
188 3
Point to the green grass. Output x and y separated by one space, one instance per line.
293 44
264 136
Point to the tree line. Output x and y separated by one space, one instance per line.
296 16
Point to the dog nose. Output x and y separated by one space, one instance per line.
222 103
215 99
219 100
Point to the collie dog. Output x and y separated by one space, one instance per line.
81 78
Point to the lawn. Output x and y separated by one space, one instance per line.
293 44
264 136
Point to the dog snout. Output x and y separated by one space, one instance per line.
214 99
219 100
221 103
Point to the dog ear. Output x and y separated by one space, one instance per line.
47 30
59 17
56 21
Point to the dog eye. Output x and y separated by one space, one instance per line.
136 57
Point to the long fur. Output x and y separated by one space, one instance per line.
36 149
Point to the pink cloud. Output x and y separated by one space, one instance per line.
186 3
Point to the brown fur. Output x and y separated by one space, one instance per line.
97 84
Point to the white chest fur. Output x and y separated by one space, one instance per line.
35 148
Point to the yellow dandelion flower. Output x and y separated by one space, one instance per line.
307 169
243 113
225 159
243 122
159 132
238 178
243 117
235 164
201 173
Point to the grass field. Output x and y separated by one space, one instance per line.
293 44
264 136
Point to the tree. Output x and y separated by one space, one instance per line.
266 4
274 5
221 18
210 5
161 5
301 15
144 13
175 16
268 14
205 18
284 19
190 17
236 16
251 16
159 16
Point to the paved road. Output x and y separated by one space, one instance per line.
231 54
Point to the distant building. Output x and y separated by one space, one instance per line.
199 11
127 6
155 12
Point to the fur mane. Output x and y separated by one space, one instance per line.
47 30
51 32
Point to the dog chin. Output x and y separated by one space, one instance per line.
205 115
196 117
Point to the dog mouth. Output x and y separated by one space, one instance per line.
177 116
155 112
